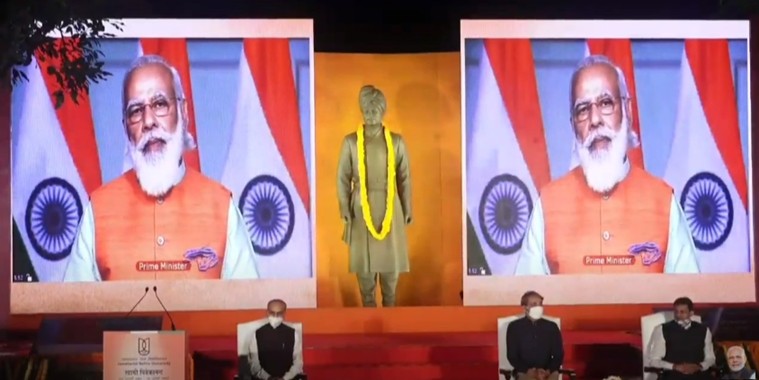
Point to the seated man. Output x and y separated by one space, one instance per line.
275 348
736 361
682 345
533 344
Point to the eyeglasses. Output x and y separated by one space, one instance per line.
606 106
159 106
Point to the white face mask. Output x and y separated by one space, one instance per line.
535 312
275 321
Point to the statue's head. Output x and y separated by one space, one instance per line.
373 104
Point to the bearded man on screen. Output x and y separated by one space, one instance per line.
606 215
161 219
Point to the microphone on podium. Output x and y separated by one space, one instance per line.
155 290
138 302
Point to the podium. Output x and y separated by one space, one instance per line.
142 355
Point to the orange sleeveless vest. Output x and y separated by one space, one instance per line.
586 232
139 237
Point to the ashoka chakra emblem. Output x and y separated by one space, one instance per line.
708 210
505 209
269 214
52 216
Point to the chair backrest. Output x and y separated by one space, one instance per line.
647 325
246 330
503 326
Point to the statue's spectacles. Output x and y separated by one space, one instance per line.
160 107
606 106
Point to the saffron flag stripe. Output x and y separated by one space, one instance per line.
76 122
174 50
263 185
498 171
271 67
697 168
712 73
48 192
514 70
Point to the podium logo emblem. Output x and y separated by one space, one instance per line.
143 346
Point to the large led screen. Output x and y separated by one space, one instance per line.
607 161
188 169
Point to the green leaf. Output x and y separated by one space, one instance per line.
25 35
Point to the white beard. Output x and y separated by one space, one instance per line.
157 172
605 168
736 368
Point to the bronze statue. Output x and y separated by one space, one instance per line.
376 237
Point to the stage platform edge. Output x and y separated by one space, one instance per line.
422 319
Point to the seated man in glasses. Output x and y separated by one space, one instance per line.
606 215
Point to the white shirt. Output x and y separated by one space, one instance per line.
255 364
239 256
658 349
680 257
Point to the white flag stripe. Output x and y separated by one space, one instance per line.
494 150
41 152
253 152
694 150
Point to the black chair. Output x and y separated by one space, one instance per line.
568 372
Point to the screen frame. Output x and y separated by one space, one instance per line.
584 289
183 295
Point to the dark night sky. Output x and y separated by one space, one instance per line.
393 26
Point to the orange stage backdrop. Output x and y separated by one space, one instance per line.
423 92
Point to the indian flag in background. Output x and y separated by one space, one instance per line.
266 165
174 50
706 165
507 160
55 166
619 51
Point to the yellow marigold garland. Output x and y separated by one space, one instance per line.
365 208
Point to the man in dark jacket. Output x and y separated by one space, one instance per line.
275 348
533 344
682 346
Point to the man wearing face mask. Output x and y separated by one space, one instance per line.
736 361
275 350
606 215
682 346
533 344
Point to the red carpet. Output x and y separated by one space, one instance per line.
444 356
